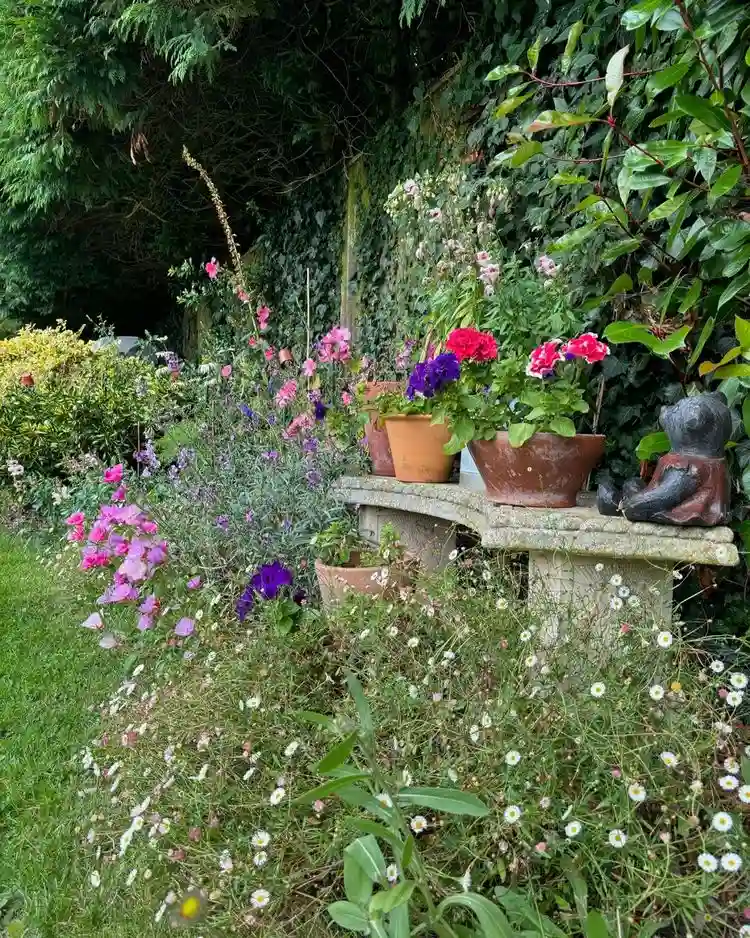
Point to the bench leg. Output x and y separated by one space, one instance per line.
577 590
429 540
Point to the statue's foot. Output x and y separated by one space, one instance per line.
608 499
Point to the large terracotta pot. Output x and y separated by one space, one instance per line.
377 438
546 472
417 448
336 582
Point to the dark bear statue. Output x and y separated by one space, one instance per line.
690 485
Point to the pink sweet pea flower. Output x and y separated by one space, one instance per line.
308 367
149 527
242 295
346 398
194 583
144 623
543 359
212 268
286 393
94 621
149 606
226 371
77 518
119 494
114 474
184 628
77 534
263 315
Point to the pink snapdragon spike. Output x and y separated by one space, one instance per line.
114 474
588 347
286 393
194 583
184 627
119 494
212 268
263 315
226 371
77 518
346 398
309 367
94 621
543 359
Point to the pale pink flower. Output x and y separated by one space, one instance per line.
94 621
184 627
194 583
346 398
263 315
212 268
541 847
308 367
286 393
226 371
242 295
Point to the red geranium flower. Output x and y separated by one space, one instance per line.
543 359
586 346
472 344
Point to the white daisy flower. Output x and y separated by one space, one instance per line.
452 555
732 766
391 873
501 603
277 796
656 692
384 800
260 839
545 802
260 859
616 603
225 861
252 703
615 579
260 898
744 794
95 879
708 862
722 822
729 782
392 631
413 642
617 838
731 863
530 661
636 792
512 814
738 680
664 639
513 757
418 824
573 829
734 698
623 592
525 636
696 786
717 666
599 567
669 759
291 748
598 689
474 733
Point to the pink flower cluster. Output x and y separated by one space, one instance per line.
334 346
286 393
547 266
544 358
301 424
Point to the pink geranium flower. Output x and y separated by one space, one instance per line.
114 474
543 359
212 268
226 371
587 346
77 518
263 315
184 628
308 367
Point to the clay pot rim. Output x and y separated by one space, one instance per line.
546 434
411 417
406 566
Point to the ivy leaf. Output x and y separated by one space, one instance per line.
550 120
701 110
666 78
653 444
613 78
502 71
728 180
740 285
349 916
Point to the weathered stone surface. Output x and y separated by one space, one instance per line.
580 530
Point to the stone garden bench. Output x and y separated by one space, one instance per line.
573 552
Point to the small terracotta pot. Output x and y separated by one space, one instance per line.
417 448
546 472
336 582
285 356
377 438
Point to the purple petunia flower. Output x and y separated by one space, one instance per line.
270 578
430 377
320 410
245 603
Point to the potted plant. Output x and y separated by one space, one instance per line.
540 460
345 563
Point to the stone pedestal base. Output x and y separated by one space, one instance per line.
429 540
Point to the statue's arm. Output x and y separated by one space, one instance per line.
674 487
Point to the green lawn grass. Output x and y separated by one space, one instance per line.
51 673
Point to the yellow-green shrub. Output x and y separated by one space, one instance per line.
81 400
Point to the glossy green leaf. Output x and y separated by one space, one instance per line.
667 118
665 209
705 161
736 286
551 120
626 246
357 884
666 78
502 71
613 77
338 755
349 916
706 368
708 328
567 179
532 54
574 238
492 921
732 371
574 34
728 180
670 21
644 13
562 426
360 701
524 152
623 284
742 331
595 925
704 111
520 433
367 853
653 444
329 788
510 104
446 800
388 899
691 297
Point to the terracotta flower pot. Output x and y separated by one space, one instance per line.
377 438
336 582
285 356
417 448
546 472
